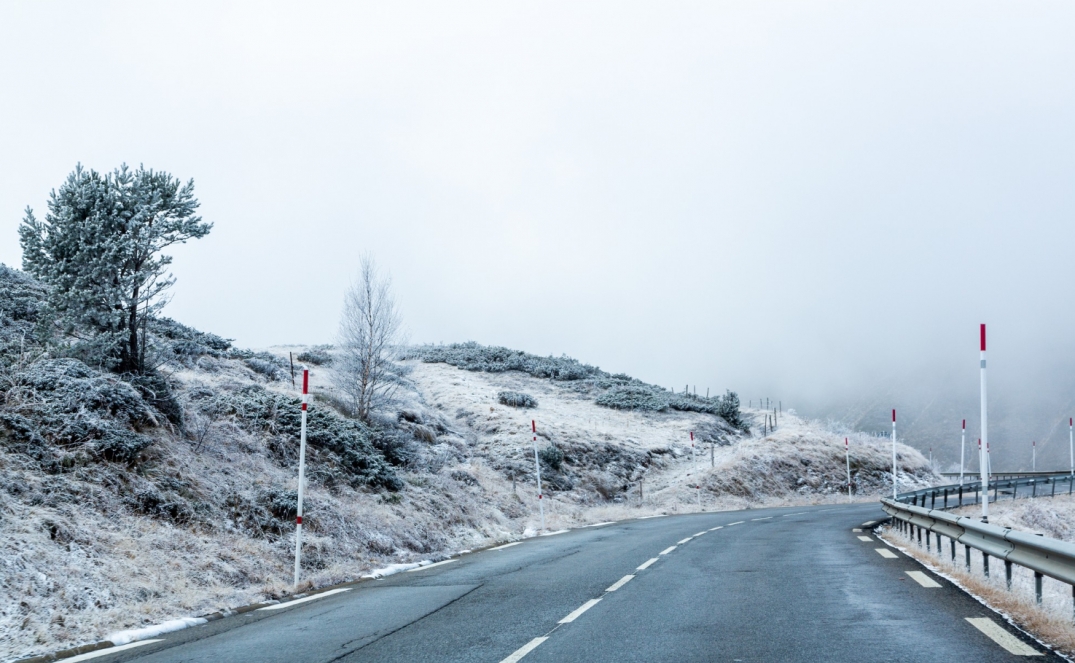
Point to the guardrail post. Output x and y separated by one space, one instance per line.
1008 574
961 496
1053 484
976 498
953 550
985 563
933 500
946 498
994 490
927 541
1037 587
967 548
919 536
1034 492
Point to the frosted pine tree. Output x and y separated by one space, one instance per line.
99 250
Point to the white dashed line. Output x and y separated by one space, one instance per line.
714 529
667 550
886 553
864 538
923 579
524 650
429 566
281 606
998 635
682 541
869 523
700 533
507 545
736 523
620 583
765 518
856 529
578 611
109 651
646 565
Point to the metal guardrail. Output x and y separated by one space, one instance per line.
1045 557
955 495
973 476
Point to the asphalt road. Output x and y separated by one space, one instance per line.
790 584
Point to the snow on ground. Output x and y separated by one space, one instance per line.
1053 517
78 562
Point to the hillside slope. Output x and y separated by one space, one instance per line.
130 501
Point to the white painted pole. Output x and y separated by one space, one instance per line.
1071 445
894 480
962 448
302 475
984 459
1034 456
847 455
537 464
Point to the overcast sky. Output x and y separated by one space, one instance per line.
803 200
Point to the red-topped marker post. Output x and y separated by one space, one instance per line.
894 480
983 460
847 455
962 447
537 464
302 474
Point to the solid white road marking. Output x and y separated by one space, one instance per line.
559 531
998 635
620 583
923 579
578 611
865 538
667 550
659 515
886 553
646 565
507 545
281 606
429 566
524 650
108 651
736 523
682 541
765 518
611 522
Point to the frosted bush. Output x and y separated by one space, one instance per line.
490 359
318 355
516 399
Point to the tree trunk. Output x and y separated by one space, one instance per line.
130 360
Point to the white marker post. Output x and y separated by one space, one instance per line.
302 475
894 480
1034 456
847 455
537 464
983 461
1071 445
962 447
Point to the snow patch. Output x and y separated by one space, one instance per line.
133 635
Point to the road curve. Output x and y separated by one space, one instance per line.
788 584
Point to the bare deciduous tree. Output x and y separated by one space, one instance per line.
370 333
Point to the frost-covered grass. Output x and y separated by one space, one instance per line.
200 519
1053 517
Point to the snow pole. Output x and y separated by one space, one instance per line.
1071 445
962 447
302 475
983 461
537 464
694 457
894 480
1034 456
847 455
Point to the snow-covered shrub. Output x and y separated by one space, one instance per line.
634 398
319 355
552 456
490 359
351 442
516 399
62 412
185 344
